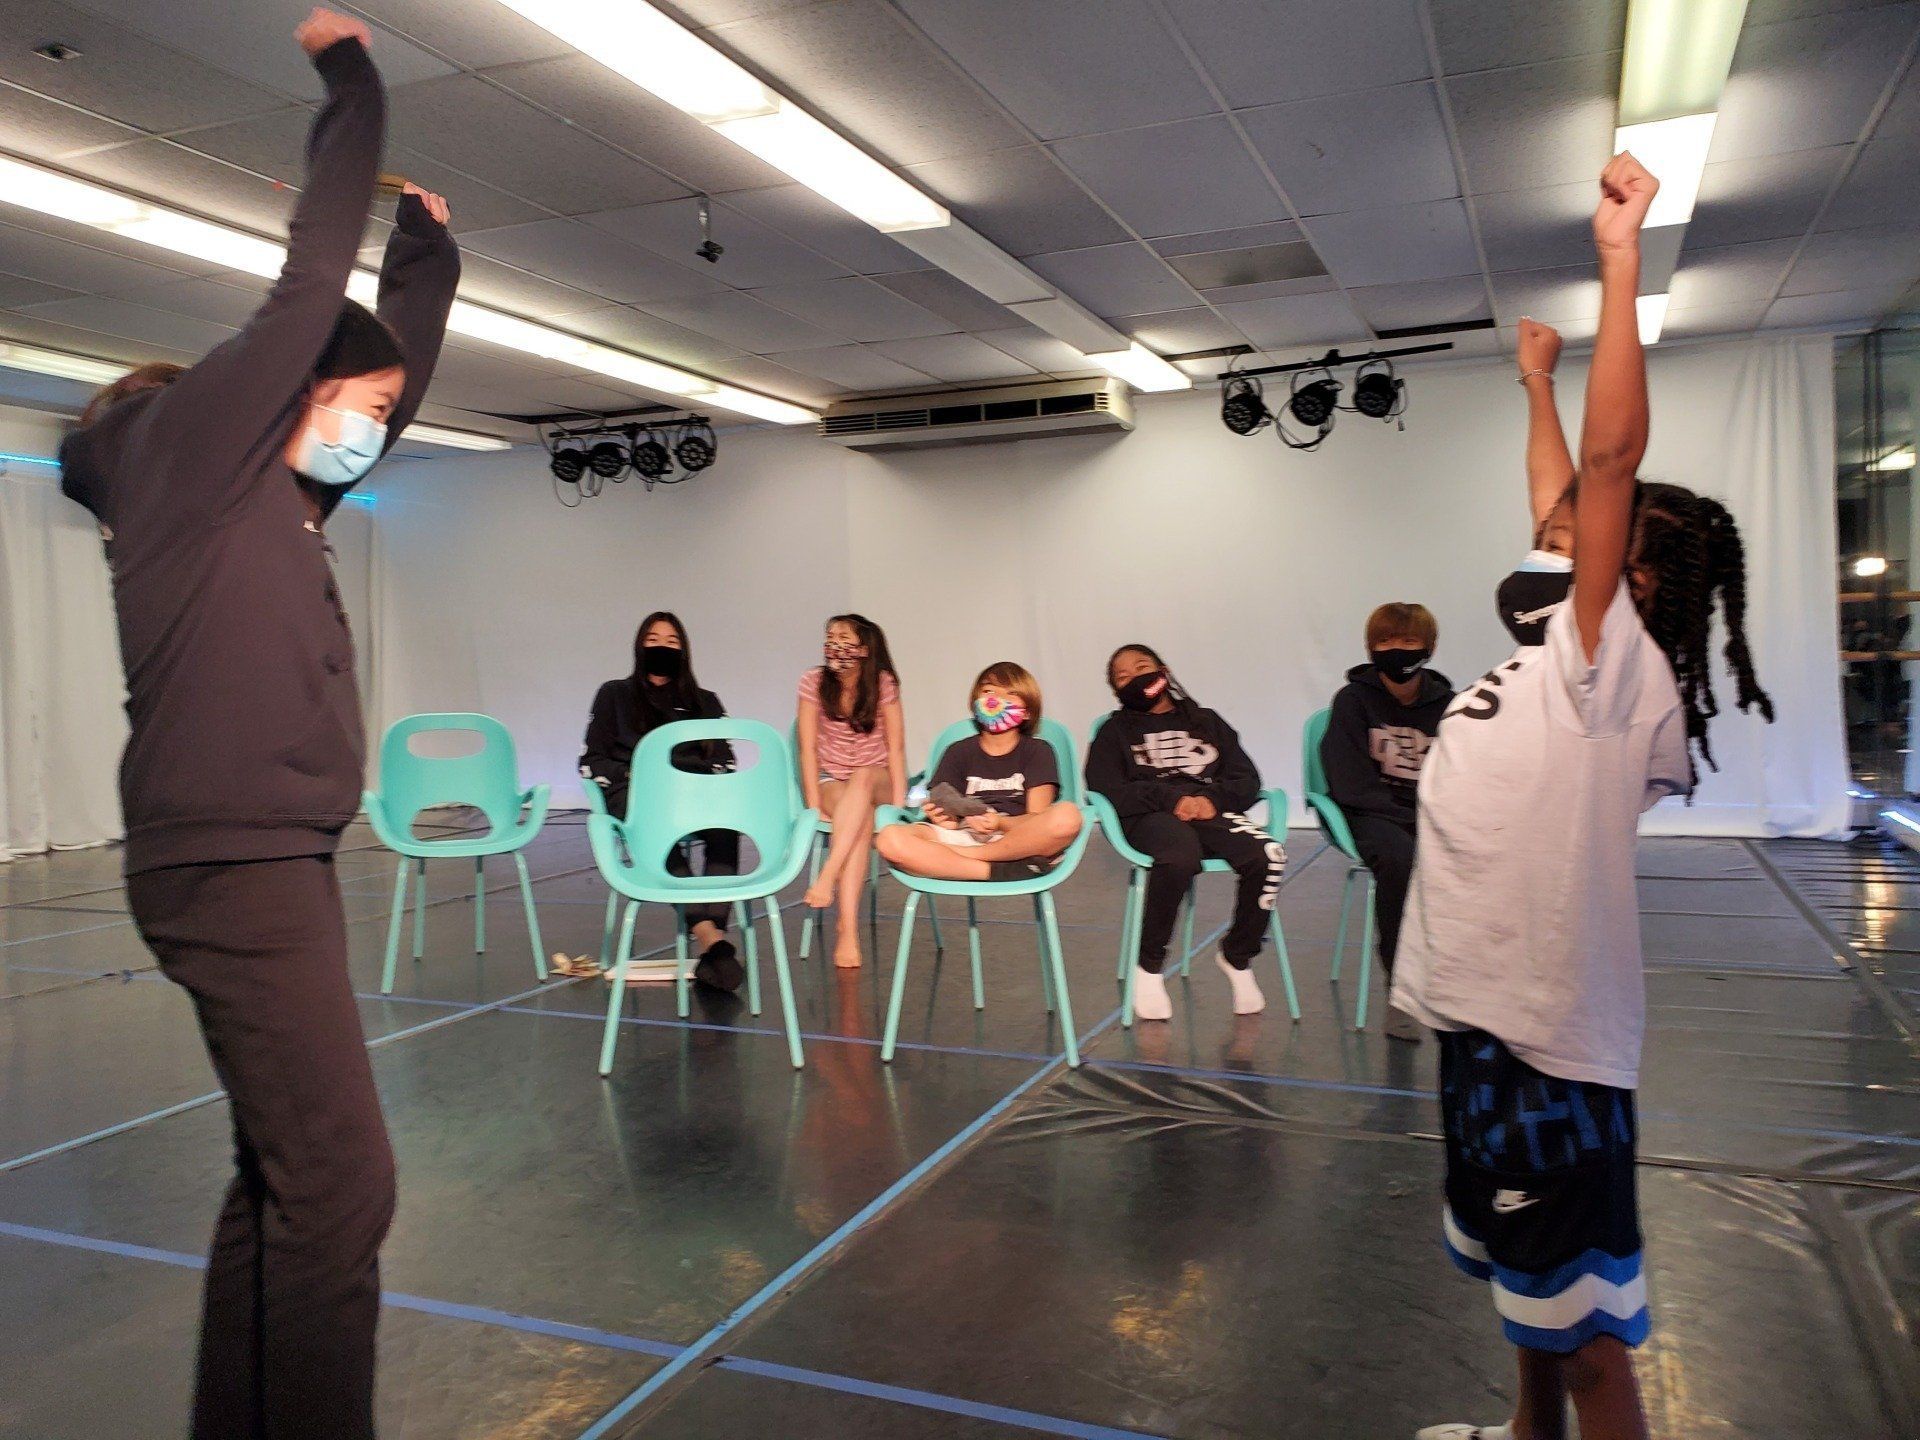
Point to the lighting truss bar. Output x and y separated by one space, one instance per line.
1333 359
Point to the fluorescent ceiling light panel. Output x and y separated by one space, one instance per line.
1897 459
832 167
1142 369
59 364
1651 311
66 198
1677 57
1868 566
453 439
1676 152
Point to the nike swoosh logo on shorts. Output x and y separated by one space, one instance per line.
1505 1202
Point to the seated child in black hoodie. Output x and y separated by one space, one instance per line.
1382 725
1181 786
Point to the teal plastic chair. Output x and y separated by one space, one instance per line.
597 805
1053 974
1141 863
487 780
1334 821
762 803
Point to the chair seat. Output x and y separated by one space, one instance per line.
503 843
635 883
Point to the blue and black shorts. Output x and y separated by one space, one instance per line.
1540 1195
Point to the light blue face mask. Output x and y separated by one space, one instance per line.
1544 562
343 461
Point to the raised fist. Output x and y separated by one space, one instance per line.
324 29
1627 189
436 204
1539 346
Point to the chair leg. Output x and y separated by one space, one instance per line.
1186 958
1129 951
1286 964
606 929
1040 935
1340 936
420 911
1125 962
533 917
479 904
393 925
610 1035
1366 957
873 890
900 974
933 918
1072 1042
813 874
784 975
973 949
682 1001
743 916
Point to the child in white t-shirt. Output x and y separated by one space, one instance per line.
1521 942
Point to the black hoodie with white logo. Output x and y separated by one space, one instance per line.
1374 745
1144 762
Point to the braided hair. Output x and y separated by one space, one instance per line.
1688 547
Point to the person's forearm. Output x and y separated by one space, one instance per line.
1613 433
1549 461
418 278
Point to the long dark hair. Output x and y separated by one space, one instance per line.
151 376
681 693
863 706
1691 547
1184 704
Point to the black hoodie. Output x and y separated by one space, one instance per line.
247 741
1374 745
621 719
1145 762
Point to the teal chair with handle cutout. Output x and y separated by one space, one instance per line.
487 780
761 802
1046 920
1340 835
1134 912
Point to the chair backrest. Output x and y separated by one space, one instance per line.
1313 772
488 779
1051 731
760 802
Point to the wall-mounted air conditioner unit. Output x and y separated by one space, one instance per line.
981 417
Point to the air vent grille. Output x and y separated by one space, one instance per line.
1023 407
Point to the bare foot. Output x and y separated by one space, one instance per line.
819 895
846 952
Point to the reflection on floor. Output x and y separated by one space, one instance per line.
1216 1228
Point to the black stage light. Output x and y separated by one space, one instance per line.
1242 410
650 459
1378 394
568 465
696 448
607 459
1313 403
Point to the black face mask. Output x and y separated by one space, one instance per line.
1399 666
1526 598
664 661
1143 692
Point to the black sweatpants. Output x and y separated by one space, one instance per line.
1177 848
293 1279
1387 848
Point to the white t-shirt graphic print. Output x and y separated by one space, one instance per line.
1522 917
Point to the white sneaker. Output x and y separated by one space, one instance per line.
1463 1432
1150 998
1247 999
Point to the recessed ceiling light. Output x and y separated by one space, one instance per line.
454 439
1142 369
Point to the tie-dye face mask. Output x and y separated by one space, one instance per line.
842 657
997 714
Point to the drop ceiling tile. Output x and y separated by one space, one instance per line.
39 129
1079 66
649 335
207 300
1862 307
471 35
1729 274
1572 333
739 319
1258 265
128 321
1325 319
17 290
1452 301
34 330
953 300
855 307
755 255
1116 279
1902 115
504 142
901 99
592 260
59 253
805 218
1556 295
1403 242
1175 179
494 282
1245 237
1357 151
120 72
770 377
274 145
588 393
955 358
1692 324
1261 52
1479 345
1811 82
1535 125
1763 197
474 205
855 367
162 171
1532 229
703 13
1042 351
1881 188
1020 200
1267 289
1855 260
1493 34
616 110
1174 332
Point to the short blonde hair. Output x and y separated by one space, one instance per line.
1400 620
1017 678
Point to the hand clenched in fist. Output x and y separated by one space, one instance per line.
436 204
324 29
1539 346
1627 188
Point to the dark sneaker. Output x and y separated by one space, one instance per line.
719 968
1020 869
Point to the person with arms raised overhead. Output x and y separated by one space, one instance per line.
212 485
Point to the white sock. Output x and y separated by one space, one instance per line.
1463 1432
1150 998
1247 999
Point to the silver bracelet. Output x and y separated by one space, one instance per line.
1526 375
